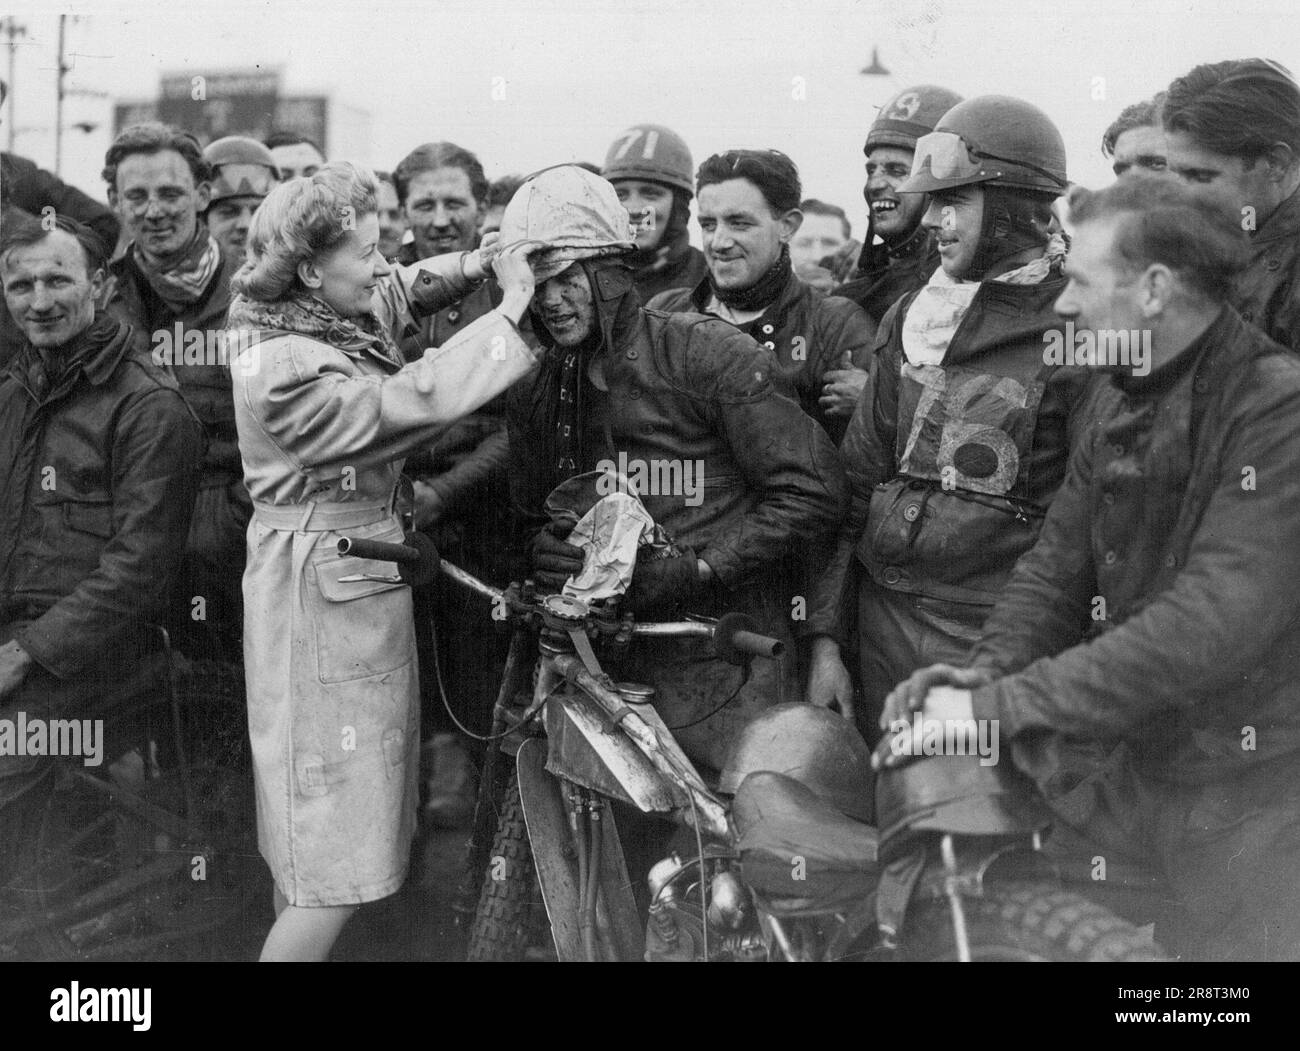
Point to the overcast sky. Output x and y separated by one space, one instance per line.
723 73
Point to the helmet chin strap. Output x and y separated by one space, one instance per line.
1013 222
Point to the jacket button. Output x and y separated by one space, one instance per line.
768 330
1111 558
634 393
891 575
912 512
1108 499
1117 450
1171 561
1274 264
769 344
631 355
453 316
1246 315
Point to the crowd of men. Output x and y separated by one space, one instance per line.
900 480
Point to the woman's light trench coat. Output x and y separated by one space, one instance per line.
329 658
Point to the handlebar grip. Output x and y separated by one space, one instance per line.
379 551
734 640
758 645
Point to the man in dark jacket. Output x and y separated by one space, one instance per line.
460 484
171 284
99 461
651 168
749 211
635 386
26 190
956 454
908 255
1232 132
1173 544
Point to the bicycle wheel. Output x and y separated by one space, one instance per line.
106 882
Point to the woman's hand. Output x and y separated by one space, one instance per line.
515 276
478 263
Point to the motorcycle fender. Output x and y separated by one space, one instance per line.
588 749
619 930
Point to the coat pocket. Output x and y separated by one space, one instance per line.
363 627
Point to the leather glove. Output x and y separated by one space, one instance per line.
554 561
427 569
664 583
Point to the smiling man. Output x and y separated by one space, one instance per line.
172 285
962 442
99 461
749 211
459 480
651 168
1233 135
907 255
1156 615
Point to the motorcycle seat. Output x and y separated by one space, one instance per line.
799 853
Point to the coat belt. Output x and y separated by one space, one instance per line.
320 517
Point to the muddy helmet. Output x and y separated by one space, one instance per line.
573 212
992 139
814 746
241 167
651 152
910 114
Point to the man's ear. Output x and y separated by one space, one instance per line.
1157 287
97 279
790 223
308 274
112 197
202 197
1280 159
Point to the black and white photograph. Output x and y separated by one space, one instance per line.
706 481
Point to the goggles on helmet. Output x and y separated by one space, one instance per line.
949 158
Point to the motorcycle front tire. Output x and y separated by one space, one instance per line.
1026 922
502 927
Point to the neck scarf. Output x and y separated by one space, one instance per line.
939 307
760 294
308 316
183 278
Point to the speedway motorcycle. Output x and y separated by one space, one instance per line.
777 860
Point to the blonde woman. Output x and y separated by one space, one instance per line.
326 411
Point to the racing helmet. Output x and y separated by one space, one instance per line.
994 139
816 747
654 153
575 213
241 167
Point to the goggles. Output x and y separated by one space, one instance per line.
947 156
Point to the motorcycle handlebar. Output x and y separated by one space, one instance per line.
731 635
379 551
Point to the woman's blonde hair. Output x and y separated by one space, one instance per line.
300 220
